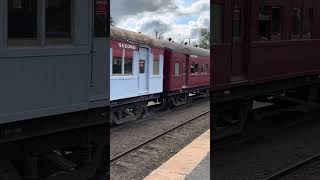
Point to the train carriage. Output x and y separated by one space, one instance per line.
186 71
136 74
146 71
54 88
262 50
137 65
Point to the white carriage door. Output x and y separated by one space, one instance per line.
143 68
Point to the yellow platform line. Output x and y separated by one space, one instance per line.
181 164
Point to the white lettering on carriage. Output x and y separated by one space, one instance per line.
127 46
194 56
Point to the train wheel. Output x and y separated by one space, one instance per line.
230 118
178 100
126 113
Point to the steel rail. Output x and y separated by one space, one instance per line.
113 159
293 167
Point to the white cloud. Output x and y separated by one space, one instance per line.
174 18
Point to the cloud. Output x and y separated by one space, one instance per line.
178 19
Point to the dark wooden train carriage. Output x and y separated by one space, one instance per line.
261 47
54 88
186 70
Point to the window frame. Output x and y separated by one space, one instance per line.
301 35
41 26
123 57
179 71
270 23
158 69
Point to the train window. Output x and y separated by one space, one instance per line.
128 62
194 68
101 20
177 69
117 66
128 66
217 30
156 67
296 23
22 23
270 23
276 23
58 21
307 23
206 68
236 32
302 23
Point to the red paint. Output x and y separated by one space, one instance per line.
251 61
185 80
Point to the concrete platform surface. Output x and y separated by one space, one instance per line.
202 171
191 162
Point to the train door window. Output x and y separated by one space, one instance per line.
58 21
217 30
270 23
177 69
23 23
156 67
236 31
142 66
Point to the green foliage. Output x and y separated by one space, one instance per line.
204 41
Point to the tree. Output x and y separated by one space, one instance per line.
112 22
204 41
158 34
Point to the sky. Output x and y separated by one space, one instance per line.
177 19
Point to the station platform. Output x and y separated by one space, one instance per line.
192 162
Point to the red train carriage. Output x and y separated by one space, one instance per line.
145 72
186 70
262 48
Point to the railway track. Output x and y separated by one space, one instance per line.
152 139
287 171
